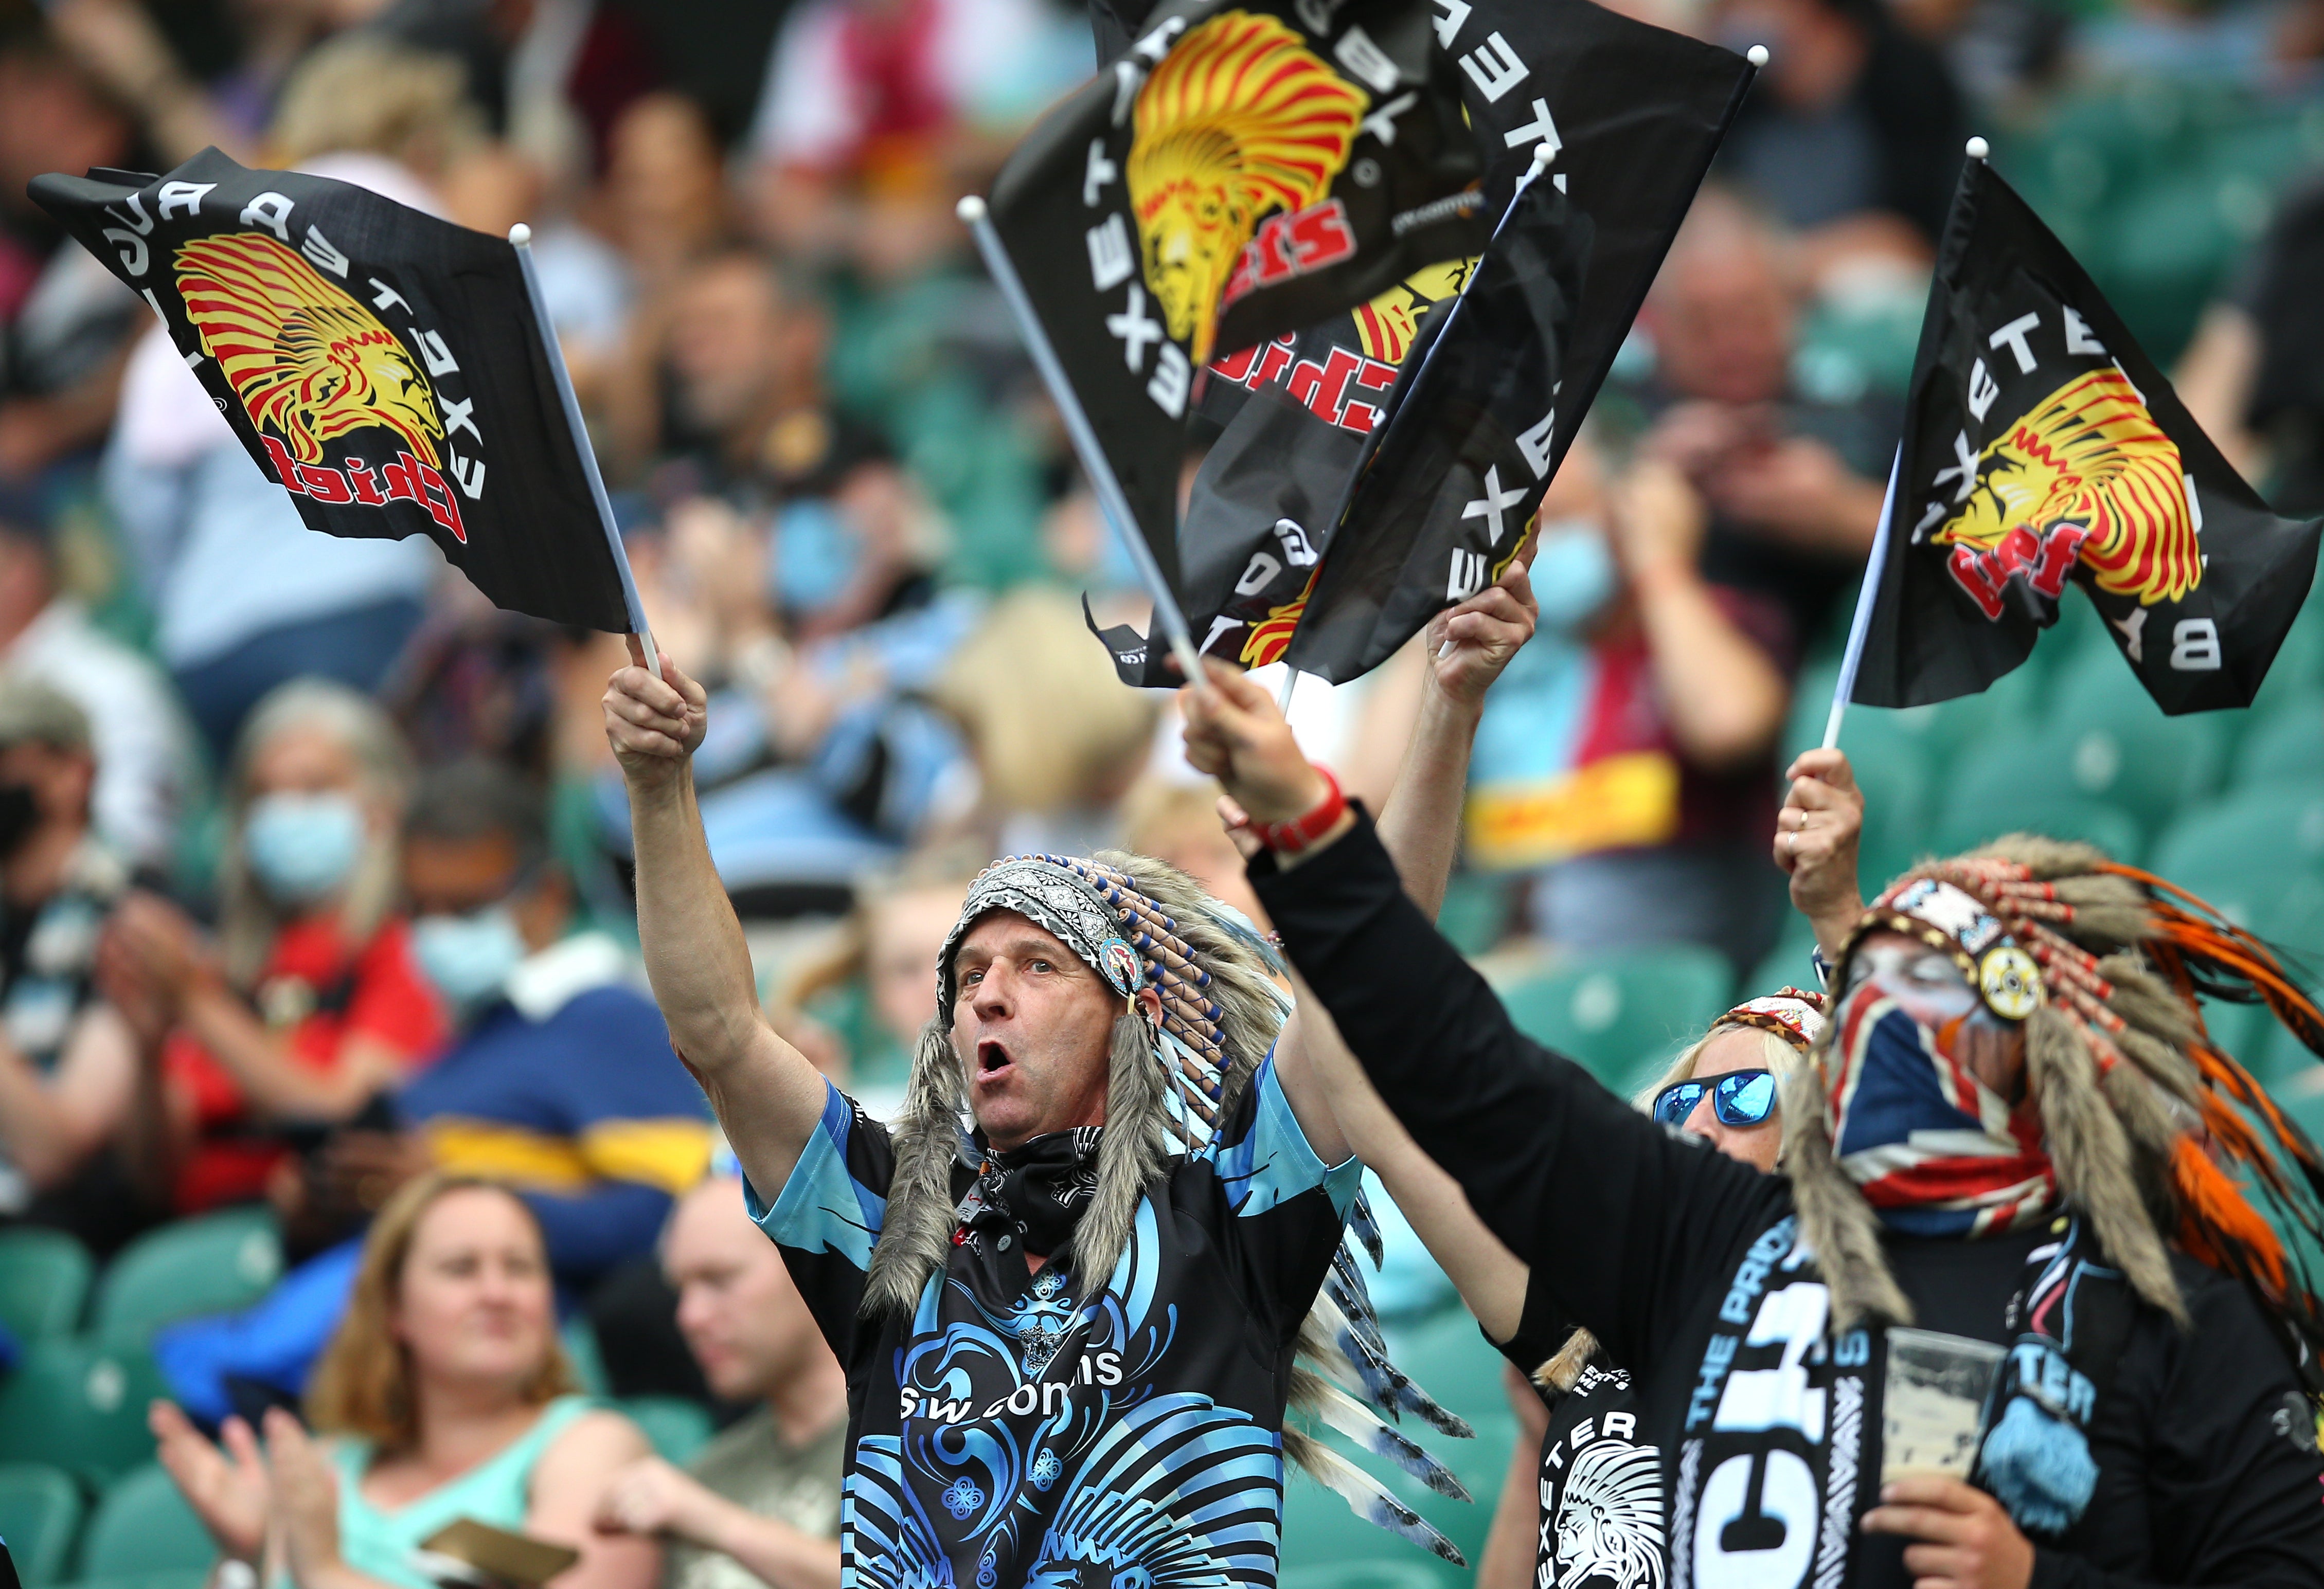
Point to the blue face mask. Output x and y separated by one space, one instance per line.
813 556
1573 574
302 847
468 958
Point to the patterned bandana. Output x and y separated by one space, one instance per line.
1935 1151
1033 1194
1060 903
1791 1014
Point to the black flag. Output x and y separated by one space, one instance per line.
1632 117
1296 412
1445 490
1242 171
2041 446
384 366
1632 114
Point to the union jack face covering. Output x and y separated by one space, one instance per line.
1935 1151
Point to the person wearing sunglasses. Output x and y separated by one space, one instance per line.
2019 1132
1573 1496
1724 1087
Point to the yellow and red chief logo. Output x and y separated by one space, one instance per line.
1386 327
1241 119
1389 325
1270 637
312 366
2085 476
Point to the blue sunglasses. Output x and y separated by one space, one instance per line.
1739 1097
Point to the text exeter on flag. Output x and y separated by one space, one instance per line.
2042 447
1243 171
384 366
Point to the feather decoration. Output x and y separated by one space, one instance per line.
1366 1226
1244 930
1320 1353
1366 1496
1312 1393
1356 1307
1388 1387
1343 1264
1371 1366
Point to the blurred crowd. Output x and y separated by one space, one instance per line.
313 865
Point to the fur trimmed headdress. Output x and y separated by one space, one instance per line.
1140 922
2157 1134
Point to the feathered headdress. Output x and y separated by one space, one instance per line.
1141 923
2156 1134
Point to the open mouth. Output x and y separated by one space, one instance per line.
992 1061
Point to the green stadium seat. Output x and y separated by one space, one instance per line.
142 1525
2252 855
2117 746
580 1344
39 1510
1421 1572
183 1578
1965 721
79 1402
1476 912
1790 964
44 1277
2285 744
211 1265
1623 1014
676 1427
2010 781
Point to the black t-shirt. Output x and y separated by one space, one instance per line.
1686 1265
1021 1431
1600 1487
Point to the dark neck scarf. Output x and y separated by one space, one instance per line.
1035 1194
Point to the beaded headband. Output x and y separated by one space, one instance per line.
2001 927
1123 935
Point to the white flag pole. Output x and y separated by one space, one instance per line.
521 236
1845 685
1867 596
1168 617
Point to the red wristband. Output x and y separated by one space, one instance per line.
1292 837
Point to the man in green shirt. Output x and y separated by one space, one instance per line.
760 1504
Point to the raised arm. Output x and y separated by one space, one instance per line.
1539 1149
1466 648
768 1096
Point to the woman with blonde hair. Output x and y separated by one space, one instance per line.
444 1395
308 1001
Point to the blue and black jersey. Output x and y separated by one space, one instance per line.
1025 1428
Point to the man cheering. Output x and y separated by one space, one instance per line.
1068 1332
